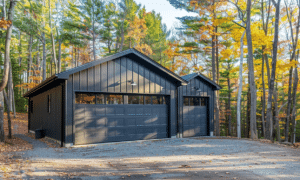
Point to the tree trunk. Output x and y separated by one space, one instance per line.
269 125
251 74
4 10
238 115
294 96
6 65
7 46
122 38
59 55
44 57
288 110
73 60
247 124
276 115
29 59
94 42
2 136
52 39
12 93
217 102
229 104
8 113
263 99
20 50
10 87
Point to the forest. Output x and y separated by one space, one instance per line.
250 48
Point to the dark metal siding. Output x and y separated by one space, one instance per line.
41 119
113 77
206 91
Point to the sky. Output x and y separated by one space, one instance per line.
166 10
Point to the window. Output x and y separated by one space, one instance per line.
186 101
100 99
114 99
164 99
157 100
195 101
49 103
147 99
203 102
31 106
85 98
135 99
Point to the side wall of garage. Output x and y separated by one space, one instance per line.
206 91
113 77
45 112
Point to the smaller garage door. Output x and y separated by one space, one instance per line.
195 116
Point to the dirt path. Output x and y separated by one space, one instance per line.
161 159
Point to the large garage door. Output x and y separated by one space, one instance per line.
111 118
194 116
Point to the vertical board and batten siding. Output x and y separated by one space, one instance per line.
41 118
188 90
114 77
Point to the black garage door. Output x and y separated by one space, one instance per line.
111 118
194 116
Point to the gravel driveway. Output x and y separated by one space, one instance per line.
187 158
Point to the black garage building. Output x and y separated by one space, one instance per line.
126 96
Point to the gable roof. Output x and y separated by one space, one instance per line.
131 53
194 75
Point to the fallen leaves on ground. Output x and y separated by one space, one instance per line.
19 124
185 166
14 144
8 160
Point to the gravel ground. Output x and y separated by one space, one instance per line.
187 158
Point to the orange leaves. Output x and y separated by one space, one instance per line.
144 48
137 29
4 24
36 78
27 85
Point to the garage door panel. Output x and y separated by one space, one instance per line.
149 121
115 131
147 111
185 110
96 123
194 120
131 130
120 111
155 111
116 138
100 110
115 122
79 111
80 122
139 111
110 111
189 131
91 135
162 121
130 121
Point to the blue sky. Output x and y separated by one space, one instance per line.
166 10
